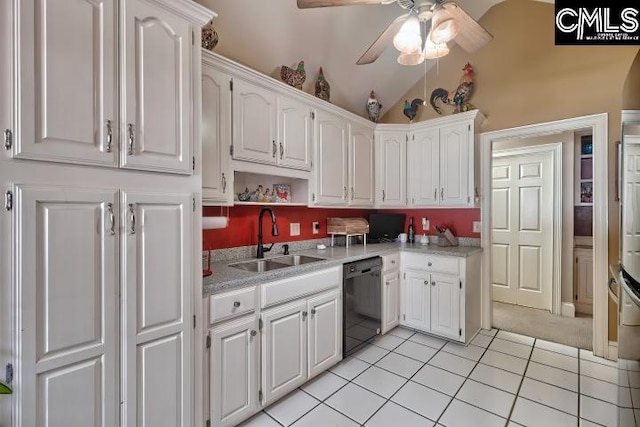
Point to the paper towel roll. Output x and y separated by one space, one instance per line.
214 222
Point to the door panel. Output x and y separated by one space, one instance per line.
67 313
66 99
295 134
331 174
454 165
157 87
390 301
325 332
445 305
424 168
416 300
157 286
391 169
361 166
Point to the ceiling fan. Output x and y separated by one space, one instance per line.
448 22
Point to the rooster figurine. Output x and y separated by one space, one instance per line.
323 89
293 77
410 110
373 107
460 97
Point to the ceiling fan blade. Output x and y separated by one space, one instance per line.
307 4
378 46
472 36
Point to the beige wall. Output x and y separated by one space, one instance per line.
631 91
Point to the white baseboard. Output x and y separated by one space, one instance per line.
613 350
568 309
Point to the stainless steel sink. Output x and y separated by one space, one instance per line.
260 265
297 259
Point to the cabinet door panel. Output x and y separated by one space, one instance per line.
295 134
157 286
454 165
254 123
416 300
157 86
67 85
331 168
390 301
445 305
67 291
424 168
216 135
391 178
284 350
325 332
234 361
361 166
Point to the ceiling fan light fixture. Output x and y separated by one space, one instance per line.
444 27
408 39
434 51
413 58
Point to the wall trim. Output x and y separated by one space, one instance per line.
568 309
599 127
613 350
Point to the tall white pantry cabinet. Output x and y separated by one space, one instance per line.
100 217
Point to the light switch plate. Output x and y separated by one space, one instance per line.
425 224
315 227
477 227
294 229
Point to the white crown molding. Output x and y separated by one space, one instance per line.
195 13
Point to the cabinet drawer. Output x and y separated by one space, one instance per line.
435 263
390 262
232 304
298 286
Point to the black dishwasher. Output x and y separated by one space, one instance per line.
361 303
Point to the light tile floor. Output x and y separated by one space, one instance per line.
407 378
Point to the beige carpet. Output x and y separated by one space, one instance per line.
574 331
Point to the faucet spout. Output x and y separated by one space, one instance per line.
274 231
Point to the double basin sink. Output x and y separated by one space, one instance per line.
261 265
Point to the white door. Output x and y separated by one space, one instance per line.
454 165
360 166
284 350
295 134
67 297
234 361
254 123
216 135
423 161
325 332
390 301
156 307
156 134
522 221
331 158
391 171
416 300
445 305
631 223
68 82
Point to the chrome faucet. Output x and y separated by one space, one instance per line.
274 232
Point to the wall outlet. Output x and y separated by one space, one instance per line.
315 227
294 229
425 224
477 227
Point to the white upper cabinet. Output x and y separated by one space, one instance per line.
456 142
217 185
424 165
66 84
391 168
295 133
361 148
254 123
331 176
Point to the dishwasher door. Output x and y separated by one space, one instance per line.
362 303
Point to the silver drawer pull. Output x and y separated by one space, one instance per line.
433 283
304 314
313 311
386 283
132 219
224 183
109 136
429 263
426 282
435 194
281 150
131 138
253 333
112 219
236 304
275 148
442 193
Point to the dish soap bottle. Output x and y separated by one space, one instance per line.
411 233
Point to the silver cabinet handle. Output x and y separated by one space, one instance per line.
313 311
345 193
275 148
426 282
281 150
352 193
131 138
429 263
435 194
433 283
112 219
236 304
224 183
132 219
304 314
253 333
393 261
109 136
386 283
383 195
442 193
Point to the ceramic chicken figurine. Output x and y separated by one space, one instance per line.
373 107
410 110
293 77
323 89
459 98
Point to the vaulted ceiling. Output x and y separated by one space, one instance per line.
264 35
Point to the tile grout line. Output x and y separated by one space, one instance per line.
513 405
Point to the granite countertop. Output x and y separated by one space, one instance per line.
225 278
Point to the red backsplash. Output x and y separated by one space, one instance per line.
243 223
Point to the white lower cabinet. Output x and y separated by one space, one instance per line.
325 332
390 301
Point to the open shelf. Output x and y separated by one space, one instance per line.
250 182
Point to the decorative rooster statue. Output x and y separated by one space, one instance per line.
323 89
373 107
294 77
410 110
460 97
